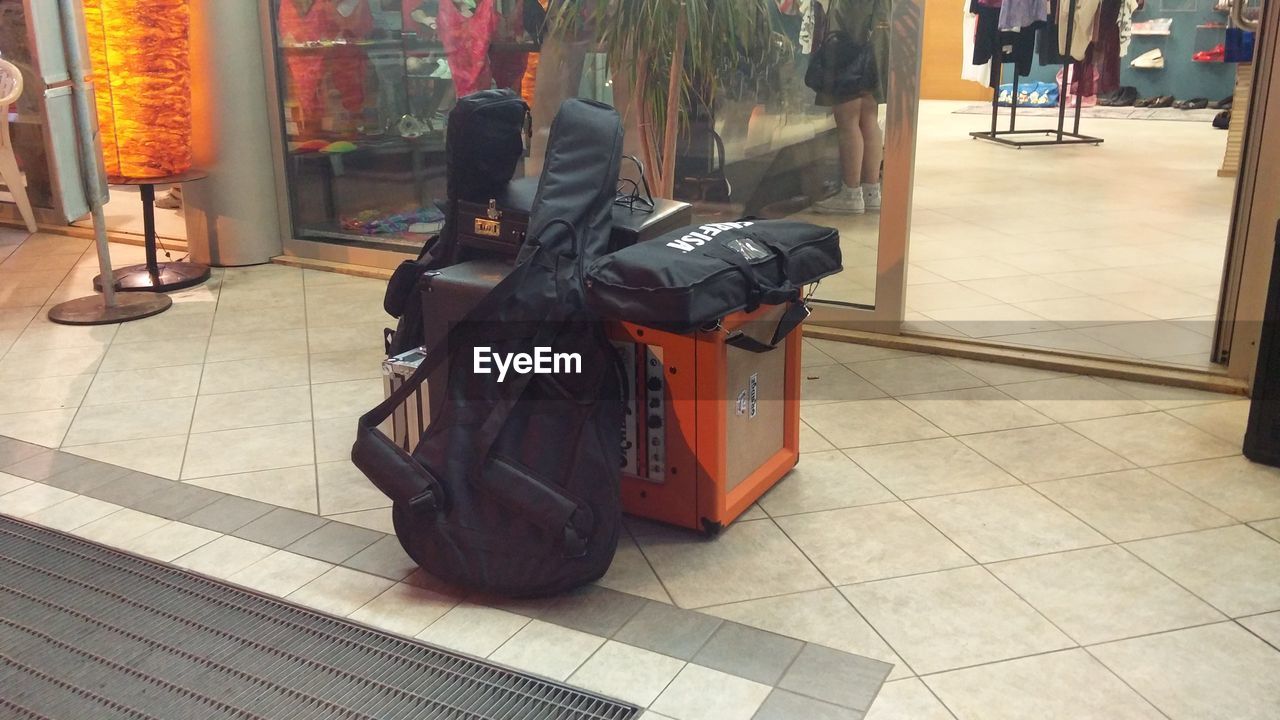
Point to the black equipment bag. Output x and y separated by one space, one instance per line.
483 144
843 66
693 277
513 489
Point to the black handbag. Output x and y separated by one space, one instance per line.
843 66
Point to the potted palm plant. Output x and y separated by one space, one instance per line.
661 48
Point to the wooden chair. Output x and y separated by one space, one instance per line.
10 90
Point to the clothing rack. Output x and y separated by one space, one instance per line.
1056 137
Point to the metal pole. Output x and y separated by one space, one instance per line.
86 129
1064 94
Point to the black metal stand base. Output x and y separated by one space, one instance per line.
92 310
168 276
1055 138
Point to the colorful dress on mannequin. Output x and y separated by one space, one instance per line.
343 63
466 41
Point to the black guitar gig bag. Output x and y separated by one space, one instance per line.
513 488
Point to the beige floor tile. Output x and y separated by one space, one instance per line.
1265 626
1225 420
153 354
929 467
811 441
9 483
1217 672
1075 398
1151 339
346 365
236 321
223 557
991 320
379 519
404 609
974 410
1001 373
1165 303
631 573
907 699
254 374
835 383
251 408
161 457
1045 453
971 268
43 334
850 352
748 560
17 318
293 487
341 591
939 296
952 619
914 375
1132 504
1020 289
72 513
1236 569
170 541
1005 523
823 481
1102 594
547 650
280 573
43 394
1270 528
42 427
1107 281
1080 312
1167 397
266 343
334 437
365 336
351 398
120 527
130 421
872 542
868 422
1062 684
700 693
473 629
52 362
246 450
160 383
343 489
1154 439
183 320
32 498
1242 489
627 673
822 617
1071 341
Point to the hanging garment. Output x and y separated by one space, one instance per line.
806 26
508 66
344 64
969 70
466 42
1104 55
1127 9
1018 14
991 43
1082 30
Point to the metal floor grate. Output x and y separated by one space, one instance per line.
89 632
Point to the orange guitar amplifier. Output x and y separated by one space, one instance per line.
710 426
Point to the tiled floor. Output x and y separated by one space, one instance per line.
1115 250
1013 541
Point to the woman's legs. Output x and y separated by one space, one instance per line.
872 140
851 140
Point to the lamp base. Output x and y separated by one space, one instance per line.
170 276
92 310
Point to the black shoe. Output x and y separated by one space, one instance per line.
1125 96
1222 120
1223 104
1143 102
1192 104
1163 101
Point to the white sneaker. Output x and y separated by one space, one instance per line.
871 195
848 201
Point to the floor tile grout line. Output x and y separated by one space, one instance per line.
311 397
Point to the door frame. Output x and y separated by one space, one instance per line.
1251 242
906 26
